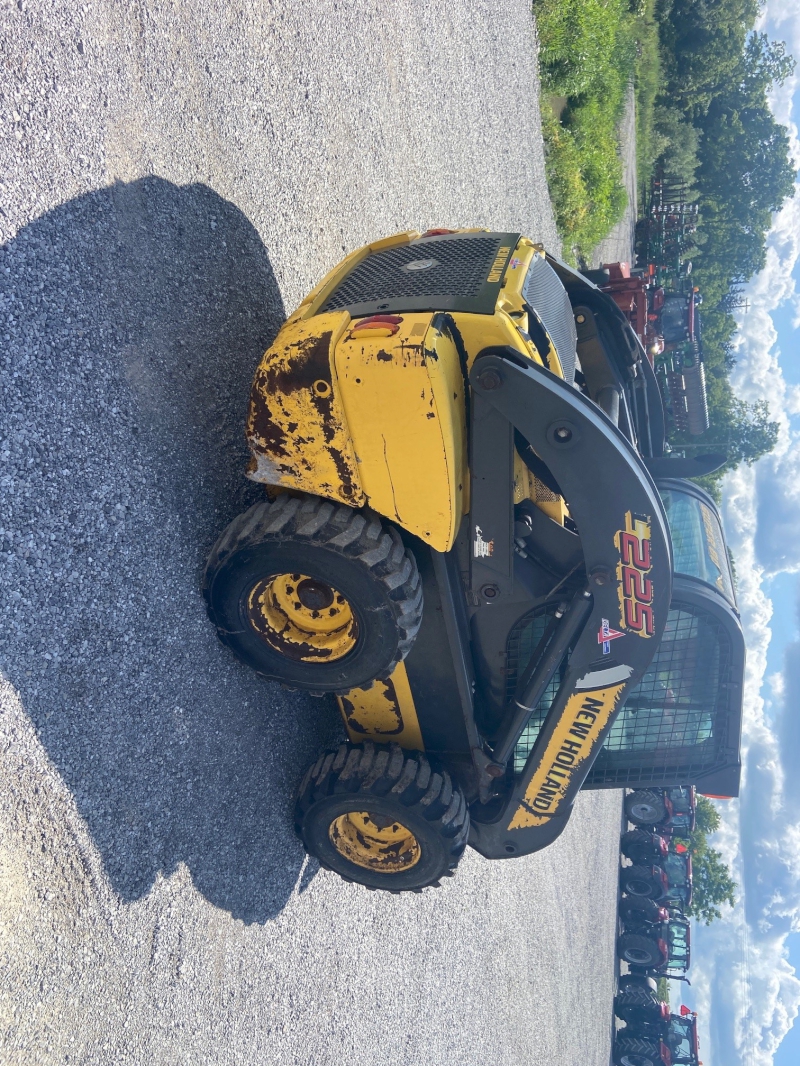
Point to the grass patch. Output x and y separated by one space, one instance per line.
584 175
662 989
591 50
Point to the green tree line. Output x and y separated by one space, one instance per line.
714 129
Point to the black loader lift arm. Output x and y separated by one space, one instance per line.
625 595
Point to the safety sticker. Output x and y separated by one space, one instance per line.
482 548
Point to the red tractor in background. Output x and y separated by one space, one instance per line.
667 323
652 1036
666 811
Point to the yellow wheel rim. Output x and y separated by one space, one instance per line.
374 842
302 617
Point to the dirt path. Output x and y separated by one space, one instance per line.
175 177
618 246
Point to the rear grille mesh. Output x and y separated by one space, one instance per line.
546 295
424 270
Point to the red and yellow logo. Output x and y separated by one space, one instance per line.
635 589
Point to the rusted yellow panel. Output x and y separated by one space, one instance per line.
403 398
296 426
573 741
383 713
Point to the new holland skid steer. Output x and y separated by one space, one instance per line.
463 541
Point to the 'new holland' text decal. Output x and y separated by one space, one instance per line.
583 720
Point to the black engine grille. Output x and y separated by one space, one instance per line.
450 273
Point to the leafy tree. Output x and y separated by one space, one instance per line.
706 816
712 884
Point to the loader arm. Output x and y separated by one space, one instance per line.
628 570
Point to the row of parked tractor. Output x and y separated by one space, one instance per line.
655 894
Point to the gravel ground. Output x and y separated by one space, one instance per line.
174 176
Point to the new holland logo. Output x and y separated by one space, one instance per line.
606 635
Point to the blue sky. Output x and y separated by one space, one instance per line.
745 984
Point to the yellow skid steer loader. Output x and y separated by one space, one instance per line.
462 540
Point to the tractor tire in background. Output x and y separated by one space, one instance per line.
317 595
645 808
637 845
382 817
638 911
636 1051
637 1005
639 950
638 881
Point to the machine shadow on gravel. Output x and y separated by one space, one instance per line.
137 316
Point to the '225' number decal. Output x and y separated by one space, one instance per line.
636 592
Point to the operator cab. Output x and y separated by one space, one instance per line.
683 800
678 943
681 723
681 1039
678 869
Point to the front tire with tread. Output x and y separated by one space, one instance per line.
645 808
390 784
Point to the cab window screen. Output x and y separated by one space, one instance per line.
697 541
674 722
674 704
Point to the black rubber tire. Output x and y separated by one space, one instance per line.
637 1005
638 881
636 911
639 980
639 950
638 846
384 780
645 808
636 1051
353 551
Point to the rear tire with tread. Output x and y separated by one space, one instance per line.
645 808
637 1005
638 950
636 1051
354 552
638 881
638 846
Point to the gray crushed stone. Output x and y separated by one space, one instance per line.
175 176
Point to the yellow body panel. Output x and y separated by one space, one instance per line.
403 398
573 742
370 418
385 712
296 426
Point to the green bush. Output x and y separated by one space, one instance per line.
587 46
584 175
589 54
